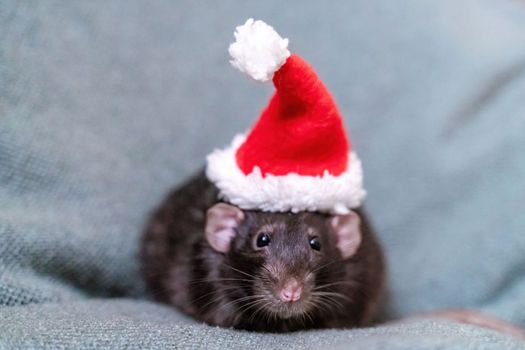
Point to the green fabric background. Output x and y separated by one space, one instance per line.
104 106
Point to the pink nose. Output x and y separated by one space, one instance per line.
291 291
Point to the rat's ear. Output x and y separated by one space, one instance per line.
221 221
348 231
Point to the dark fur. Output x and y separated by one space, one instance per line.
181 269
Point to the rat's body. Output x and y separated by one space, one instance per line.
238 287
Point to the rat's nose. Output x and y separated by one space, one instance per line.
291 291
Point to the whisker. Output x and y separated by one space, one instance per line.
330 301
324 266
351 283
307 313
331 297
340 295
249 305
218 298
222 296
223 289
240 271
237 301
204 280
267 269
303 319
258 310
253 304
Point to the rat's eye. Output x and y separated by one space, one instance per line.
263 239
315 243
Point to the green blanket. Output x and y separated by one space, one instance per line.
104 106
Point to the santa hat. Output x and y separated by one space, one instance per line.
297 156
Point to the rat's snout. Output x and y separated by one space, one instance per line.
291 290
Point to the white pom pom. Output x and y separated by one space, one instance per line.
258 50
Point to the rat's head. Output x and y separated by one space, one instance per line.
284 262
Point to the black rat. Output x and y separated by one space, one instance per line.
270 271
261 271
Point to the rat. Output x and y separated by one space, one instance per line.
273 272
261 271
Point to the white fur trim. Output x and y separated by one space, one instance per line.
258 50
292 192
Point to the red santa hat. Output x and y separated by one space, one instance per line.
297 156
